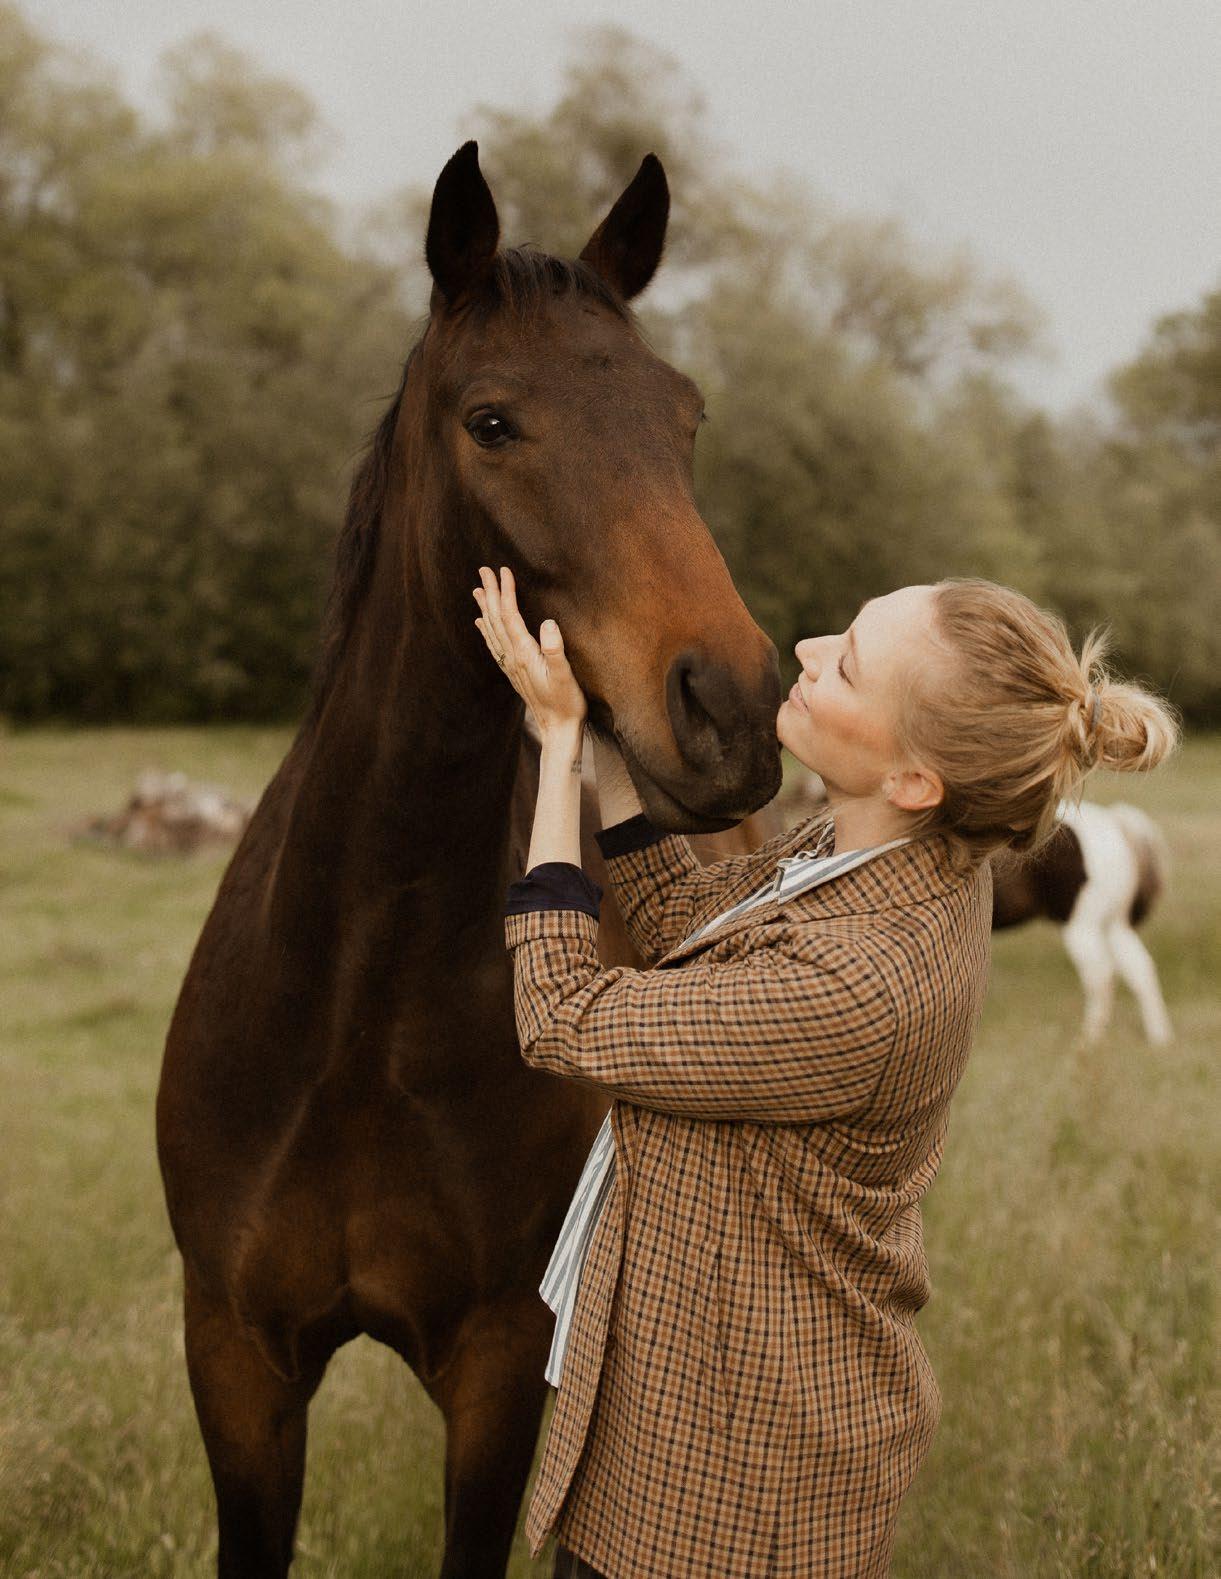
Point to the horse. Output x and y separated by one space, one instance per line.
1098 876
350 1142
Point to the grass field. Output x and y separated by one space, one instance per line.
1072 1235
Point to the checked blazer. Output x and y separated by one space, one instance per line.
744 1392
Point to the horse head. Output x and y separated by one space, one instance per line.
564 445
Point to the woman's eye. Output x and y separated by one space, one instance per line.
489 430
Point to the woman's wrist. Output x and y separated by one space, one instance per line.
565 739
563 742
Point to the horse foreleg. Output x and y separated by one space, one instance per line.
491 1394
1087 948
1138 970
253 1424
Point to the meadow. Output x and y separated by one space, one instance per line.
1072 1233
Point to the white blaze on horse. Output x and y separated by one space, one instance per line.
1098 876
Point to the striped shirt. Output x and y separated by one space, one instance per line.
794 875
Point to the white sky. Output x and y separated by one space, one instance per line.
1075 144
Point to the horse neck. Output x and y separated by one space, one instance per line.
410 763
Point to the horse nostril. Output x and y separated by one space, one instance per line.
701 703
723 724
689 693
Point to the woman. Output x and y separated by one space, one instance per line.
743 1391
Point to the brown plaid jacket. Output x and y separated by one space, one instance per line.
744 1393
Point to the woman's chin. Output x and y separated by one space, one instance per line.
794 741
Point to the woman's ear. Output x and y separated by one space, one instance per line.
913 788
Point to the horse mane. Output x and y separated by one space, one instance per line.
356 548
524 278
521 280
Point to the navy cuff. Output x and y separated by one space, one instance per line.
554 885
621 838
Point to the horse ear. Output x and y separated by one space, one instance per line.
462 226
626 247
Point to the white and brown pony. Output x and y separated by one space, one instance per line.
1098 877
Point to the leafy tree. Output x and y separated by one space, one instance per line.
1154 481
220 104
189 361
1172 391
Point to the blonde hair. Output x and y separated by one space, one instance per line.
1012 720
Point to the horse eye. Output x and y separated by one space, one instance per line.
489 430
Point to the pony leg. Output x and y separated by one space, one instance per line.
1138 970
491 1393
253 1424
1087 948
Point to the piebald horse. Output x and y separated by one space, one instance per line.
349 1138
1098 877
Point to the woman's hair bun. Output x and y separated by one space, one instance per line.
1134 730
1116 725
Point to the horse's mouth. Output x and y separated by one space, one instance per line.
663 807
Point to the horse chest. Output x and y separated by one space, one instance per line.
381 1208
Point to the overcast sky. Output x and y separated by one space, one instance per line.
1075 144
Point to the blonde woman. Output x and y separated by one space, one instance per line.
742 1391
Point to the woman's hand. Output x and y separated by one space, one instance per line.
537 670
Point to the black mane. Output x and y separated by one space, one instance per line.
356 548
525 278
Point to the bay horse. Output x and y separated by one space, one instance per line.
1097 877
349 1139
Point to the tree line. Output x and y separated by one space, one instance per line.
194 344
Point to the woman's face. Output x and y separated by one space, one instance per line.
840 717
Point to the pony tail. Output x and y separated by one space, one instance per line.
1113 723
1136 731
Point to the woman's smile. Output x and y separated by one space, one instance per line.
797 699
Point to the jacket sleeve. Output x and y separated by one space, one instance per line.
662 886
774 1035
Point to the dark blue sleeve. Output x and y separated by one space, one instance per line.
621 838
554 885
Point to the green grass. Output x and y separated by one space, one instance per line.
1071 1235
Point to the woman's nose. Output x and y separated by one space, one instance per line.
807 656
